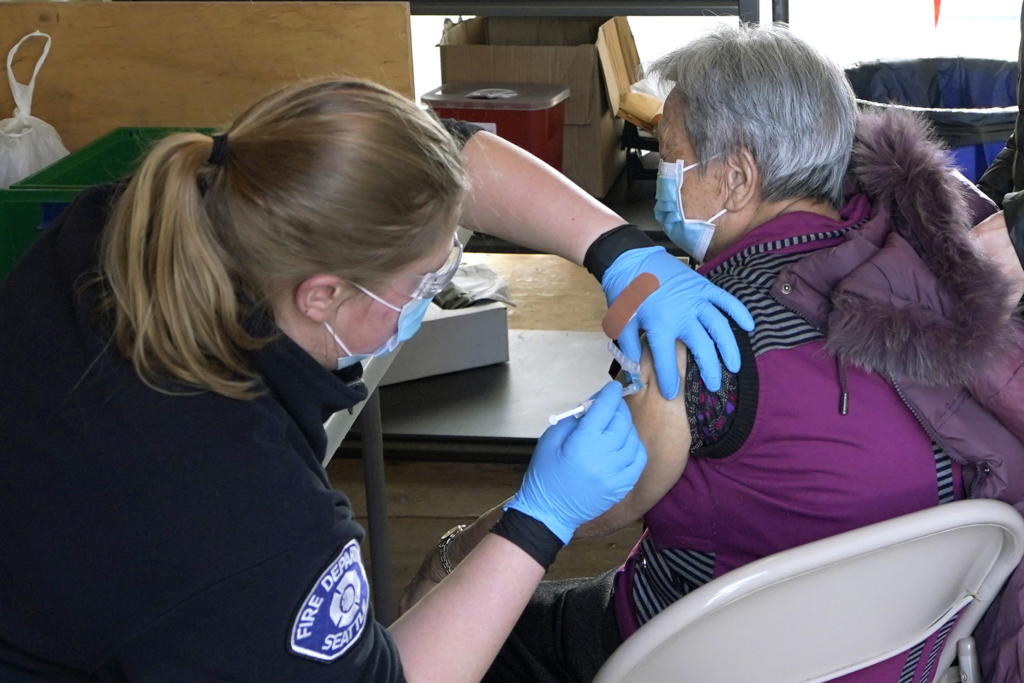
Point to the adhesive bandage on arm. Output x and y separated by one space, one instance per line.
615 320
628 303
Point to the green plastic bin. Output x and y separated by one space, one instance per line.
24 213
103 160
31 204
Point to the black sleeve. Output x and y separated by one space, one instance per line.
997 180
460 130
268 623
530 534
272 587
608 246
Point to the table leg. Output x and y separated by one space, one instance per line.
376 508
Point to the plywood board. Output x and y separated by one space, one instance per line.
193 63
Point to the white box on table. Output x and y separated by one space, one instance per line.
452 340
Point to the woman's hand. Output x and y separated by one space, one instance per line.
431 571
582 467
992 238
687 307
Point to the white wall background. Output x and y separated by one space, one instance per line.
854 30
846 30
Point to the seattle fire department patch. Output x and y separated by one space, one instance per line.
334 613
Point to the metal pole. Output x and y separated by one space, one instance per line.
749 11
376 508
780 11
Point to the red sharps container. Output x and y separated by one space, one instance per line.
530 115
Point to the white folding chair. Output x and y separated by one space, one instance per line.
832 607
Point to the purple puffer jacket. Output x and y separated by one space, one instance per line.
908 297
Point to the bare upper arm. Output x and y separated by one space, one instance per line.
664 429
663 425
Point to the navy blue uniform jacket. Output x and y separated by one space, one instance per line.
149 537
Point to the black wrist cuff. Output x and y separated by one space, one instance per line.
606 248
529 534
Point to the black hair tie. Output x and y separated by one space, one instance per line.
219 153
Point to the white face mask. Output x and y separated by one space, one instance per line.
690 235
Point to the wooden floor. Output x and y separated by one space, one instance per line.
427 498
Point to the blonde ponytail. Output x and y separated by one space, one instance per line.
170 279
343 177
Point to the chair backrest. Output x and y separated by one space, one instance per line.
828 608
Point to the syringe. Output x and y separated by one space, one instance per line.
585 406
630 366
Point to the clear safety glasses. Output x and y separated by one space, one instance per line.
431 284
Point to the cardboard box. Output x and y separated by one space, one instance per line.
452 340
560 50
621 67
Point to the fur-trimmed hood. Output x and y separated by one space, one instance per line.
906 295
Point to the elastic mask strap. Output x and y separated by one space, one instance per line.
337 339
715 217
377 298
679 167
695 164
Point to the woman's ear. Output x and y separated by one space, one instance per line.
319 296
742 180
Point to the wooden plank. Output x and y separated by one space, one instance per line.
425 499
449 491
194 63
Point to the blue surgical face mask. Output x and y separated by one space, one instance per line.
690 235
410 317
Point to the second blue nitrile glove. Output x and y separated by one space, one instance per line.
685 307
583 466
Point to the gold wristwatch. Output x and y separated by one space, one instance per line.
442 547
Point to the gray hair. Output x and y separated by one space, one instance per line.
765 90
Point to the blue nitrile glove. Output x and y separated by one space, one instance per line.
582 466
685 306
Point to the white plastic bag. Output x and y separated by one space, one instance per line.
27 144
